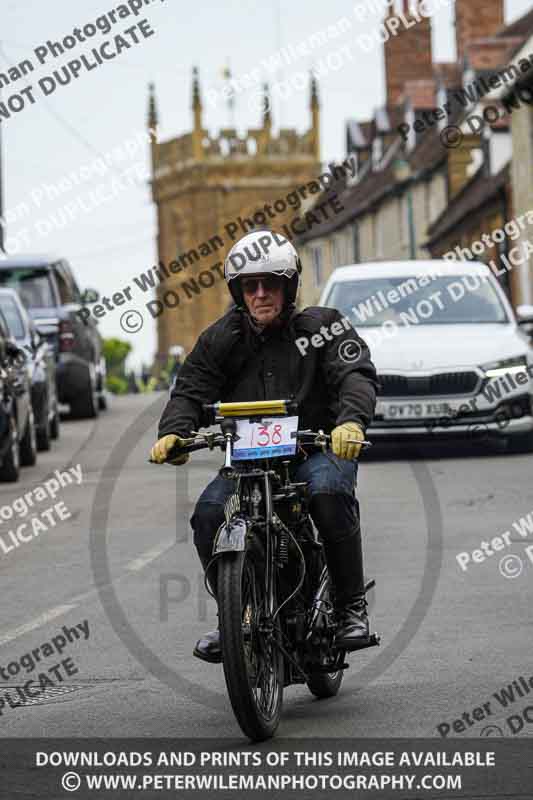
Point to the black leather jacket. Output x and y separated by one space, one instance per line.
233 361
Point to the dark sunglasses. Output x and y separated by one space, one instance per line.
270 283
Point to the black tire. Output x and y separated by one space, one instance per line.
55 425
28 443
85 406
520 443
247 653
10 469
325 684
44 440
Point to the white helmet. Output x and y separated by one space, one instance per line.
262 253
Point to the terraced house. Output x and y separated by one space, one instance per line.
435 166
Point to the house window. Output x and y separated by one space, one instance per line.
317 266
356 246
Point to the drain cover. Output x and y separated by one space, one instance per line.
52 695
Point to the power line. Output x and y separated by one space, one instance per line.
60 119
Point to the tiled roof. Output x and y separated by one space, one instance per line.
428 155
479 190
522 27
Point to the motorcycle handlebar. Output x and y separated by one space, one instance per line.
219 440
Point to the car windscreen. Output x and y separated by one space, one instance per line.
32 285
12 317
418 299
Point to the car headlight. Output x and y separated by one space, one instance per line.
509 366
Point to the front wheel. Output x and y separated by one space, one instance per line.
253 663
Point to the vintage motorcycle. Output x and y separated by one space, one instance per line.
268 569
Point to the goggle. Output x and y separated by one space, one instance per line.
269 283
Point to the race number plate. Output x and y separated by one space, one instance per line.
268 438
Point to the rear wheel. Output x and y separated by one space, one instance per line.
253 663
28 443
10 469
86 405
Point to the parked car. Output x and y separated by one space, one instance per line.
49 291
451 355
18 443
41 366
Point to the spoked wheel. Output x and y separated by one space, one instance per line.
324 684
253 663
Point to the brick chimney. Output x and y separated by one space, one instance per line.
476 19
408 54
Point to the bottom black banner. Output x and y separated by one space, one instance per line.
404 769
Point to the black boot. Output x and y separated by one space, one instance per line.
344 558
208 646
353 629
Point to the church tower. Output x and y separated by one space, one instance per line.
207 190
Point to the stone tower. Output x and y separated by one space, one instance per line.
207 190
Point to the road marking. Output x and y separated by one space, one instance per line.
148 557
38 622
134 566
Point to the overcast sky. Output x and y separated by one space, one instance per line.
113 239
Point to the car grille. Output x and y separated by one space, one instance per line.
445 383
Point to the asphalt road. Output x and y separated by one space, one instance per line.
124 565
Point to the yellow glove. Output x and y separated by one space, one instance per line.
161 448
339 440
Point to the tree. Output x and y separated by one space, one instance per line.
115 353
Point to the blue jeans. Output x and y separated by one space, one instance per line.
333 506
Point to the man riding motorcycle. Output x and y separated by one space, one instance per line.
250 353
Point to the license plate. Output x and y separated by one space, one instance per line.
393 411
267 438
